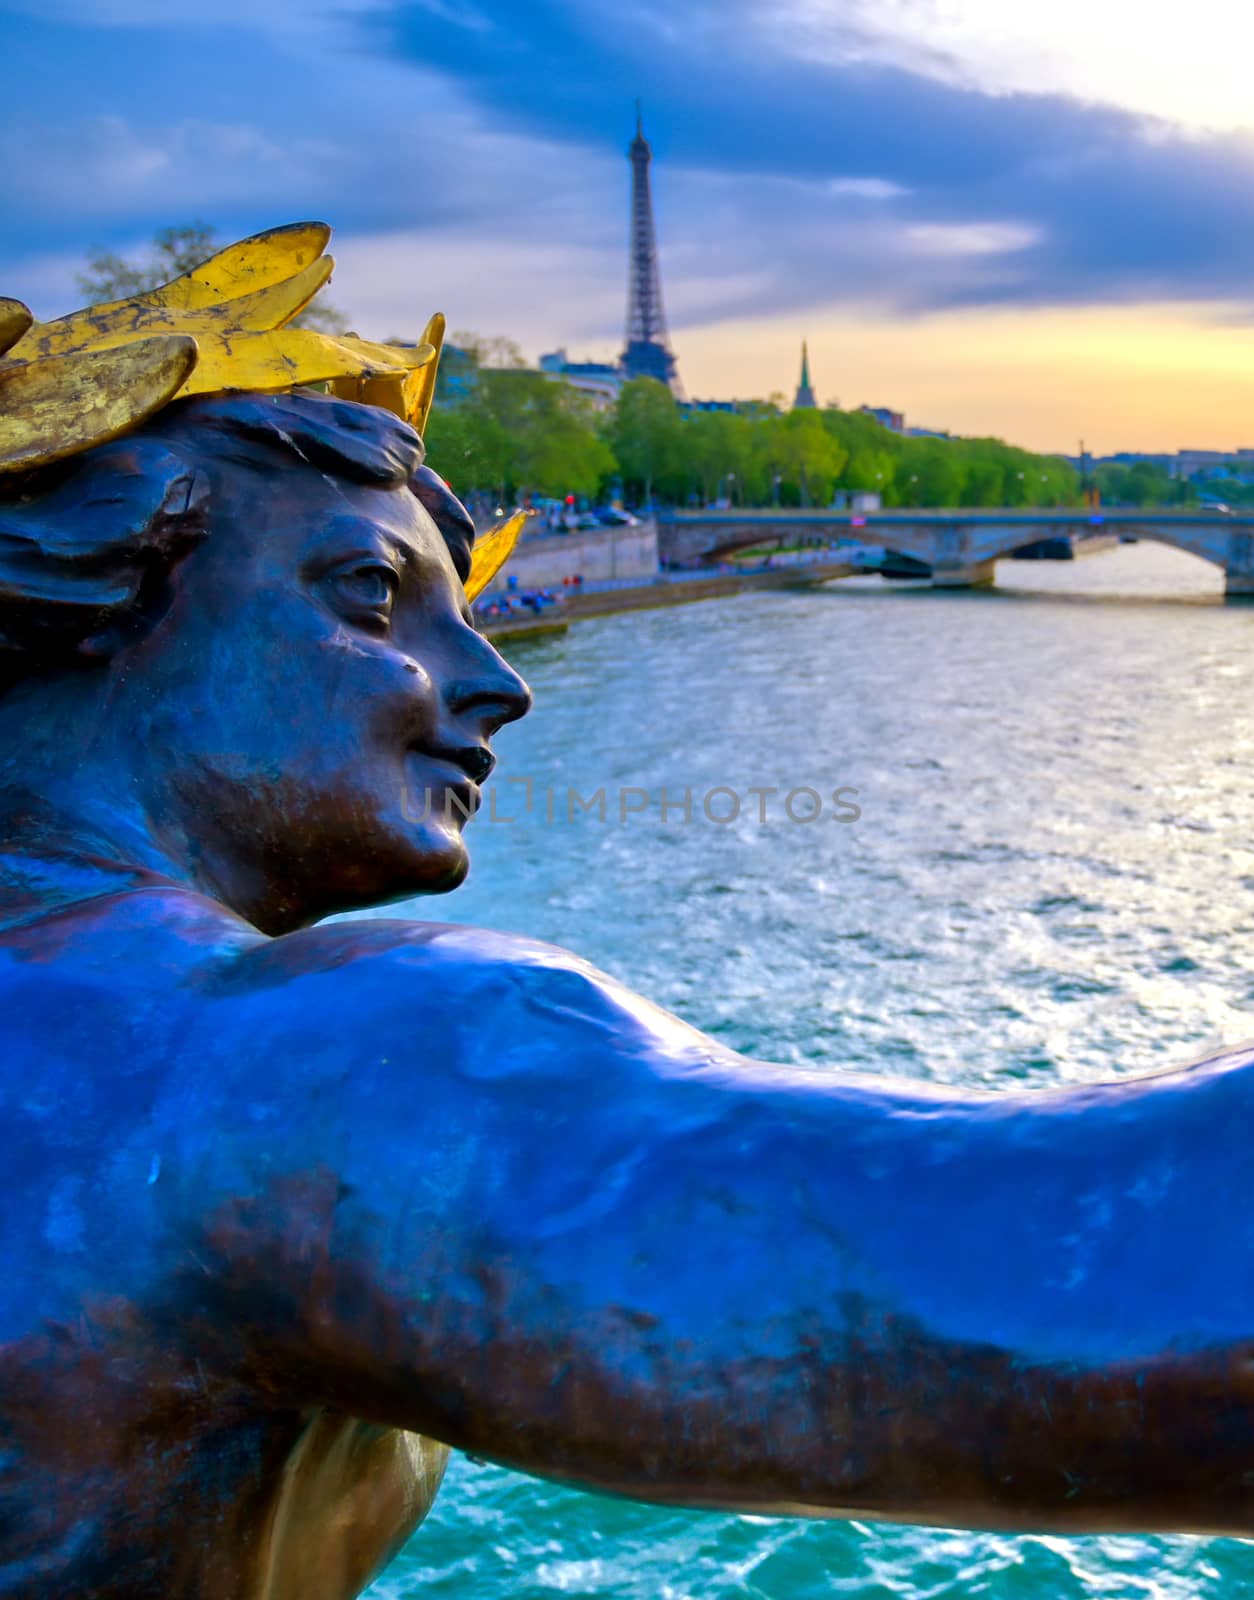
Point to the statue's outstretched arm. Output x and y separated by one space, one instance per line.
571 1234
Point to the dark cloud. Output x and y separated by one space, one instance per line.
782 182
1121 208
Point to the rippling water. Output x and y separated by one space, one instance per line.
1052 879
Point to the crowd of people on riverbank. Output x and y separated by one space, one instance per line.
513 601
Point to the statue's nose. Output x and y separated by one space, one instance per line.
493 694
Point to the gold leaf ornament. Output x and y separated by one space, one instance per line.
224 325
491 551
262 309
57 407
15 318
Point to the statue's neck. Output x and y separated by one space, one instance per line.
71 799
51 859
78 784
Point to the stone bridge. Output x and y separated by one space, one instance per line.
961 547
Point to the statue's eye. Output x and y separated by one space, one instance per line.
366 587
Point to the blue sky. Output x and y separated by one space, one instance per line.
966 212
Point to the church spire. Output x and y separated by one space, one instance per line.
804 399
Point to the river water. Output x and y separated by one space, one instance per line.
1051 880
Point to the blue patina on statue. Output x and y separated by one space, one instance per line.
290 1209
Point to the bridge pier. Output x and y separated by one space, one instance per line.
976 575
1239 566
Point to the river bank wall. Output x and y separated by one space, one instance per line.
598 555
668 589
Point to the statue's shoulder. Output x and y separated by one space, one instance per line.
160 934
447 989
389 962
191 985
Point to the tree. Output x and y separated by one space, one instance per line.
930 473
555 449
1112 484
714 444
645 433
984 483
868 469
511 431
566 457
173 252
1145 483
802 451
490 350
1148 484
468 448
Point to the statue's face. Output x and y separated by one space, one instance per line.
315 705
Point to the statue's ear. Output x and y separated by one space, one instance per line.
81 552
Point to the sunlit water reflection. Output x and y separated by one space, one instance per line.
1052 879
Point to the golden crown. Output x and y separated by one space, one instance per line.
94 375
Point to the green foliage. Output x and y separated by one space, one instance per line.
646 435
510 431
932 474
1231 490
557 450
869 469
947 472
804 456
712 445
515 432
469 448
174 251
1145 483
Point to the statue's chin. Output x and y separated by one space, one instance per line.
431 859
370 876
442 858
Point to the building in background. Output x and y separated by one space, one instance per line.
894 421
599 381
1190 465
732 408
1207 464
456 375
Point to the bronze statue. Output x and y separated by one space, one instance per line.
288 1203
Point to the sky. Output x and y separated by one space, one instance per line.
1034 222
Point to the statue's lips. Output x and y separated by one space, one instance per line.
436 774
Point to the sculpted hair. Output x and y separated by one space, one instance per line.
86 547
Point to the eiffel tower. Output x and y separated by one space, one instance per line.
647 353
